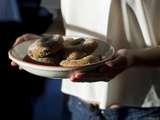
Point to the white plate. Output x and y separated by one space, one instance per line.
18 53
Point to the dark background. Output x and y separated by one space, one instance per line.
26 96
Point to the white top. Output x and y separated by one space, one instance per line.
127 24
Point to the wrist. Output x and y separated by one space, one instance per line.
130 56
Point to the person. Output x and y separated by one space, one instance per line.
127 87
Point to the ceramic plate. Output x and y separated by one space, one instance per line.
18 53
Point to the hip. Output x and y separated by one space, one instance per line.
79 108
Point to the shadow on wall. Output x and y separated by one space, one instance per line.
81 30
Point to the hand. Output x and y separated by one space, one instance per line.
110 69
28 36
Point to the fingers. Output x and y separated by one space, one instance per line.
100 74
75 75
30 36
119 61
25 37
108 70
13 63
22 38
104 68
88 77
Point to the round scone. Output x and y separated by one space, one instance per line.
74 55
45 46
80 62
86 44
79 52
50 60
44 50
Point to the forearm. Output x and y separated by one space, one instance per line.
146 56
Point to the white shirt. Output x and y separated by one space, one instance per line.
127 24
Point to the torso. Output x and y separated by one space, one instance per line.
82 18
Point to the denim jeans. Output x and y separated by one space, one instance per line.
83 111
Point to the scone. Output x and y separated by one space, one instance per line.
79 52
80 62
47 50
45 46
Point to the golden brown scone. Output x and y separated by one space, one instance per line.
73 55
80 62
67 52
78 52
42 61
89 45
81 44
49 60
45 46
73 44
79 47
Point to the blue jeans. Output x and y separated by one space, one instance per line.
83 111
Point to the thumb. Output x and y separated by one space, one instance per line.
117 62
113 62
13 64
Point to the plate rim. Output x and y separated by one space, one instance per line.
56 68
